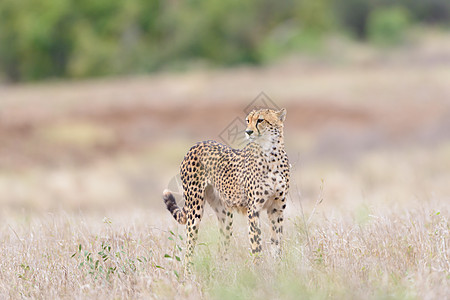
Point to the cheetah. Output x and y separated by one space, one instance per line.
248 180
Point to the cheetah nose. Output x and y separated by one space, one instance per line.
249 132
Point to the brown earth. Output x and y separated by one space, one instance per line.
136 123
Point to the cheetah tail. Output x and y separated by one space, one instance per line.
178 213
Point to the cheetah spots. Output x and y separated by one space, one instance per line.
248 179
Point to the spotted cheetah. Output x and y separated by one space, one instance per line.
247 180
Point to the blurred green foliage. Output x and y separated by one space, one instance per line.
387 26
67 38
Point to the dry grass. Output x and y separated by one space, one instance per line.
372 254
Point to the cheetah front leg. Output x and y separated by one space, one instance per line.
260 199
254 232
276 218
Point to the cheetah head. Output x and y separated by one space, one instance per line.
265 124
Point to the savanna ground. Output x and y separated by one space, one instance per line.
83 165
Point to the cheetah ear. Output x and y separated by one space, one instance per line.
282 114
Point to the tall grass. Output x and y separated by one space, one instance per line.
392 254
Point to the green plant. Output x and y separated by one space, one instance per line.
176 240
106 262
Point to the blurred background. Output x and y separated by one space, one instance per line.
100 100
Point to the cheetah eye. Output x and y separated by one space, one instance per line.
246 120
259 121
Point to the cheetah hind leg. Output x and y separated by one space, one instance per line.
194 216
224 217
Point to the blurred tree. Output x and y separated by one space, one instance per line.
9 60
35 38
387 26
430 11
353 15
300 29
68 38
